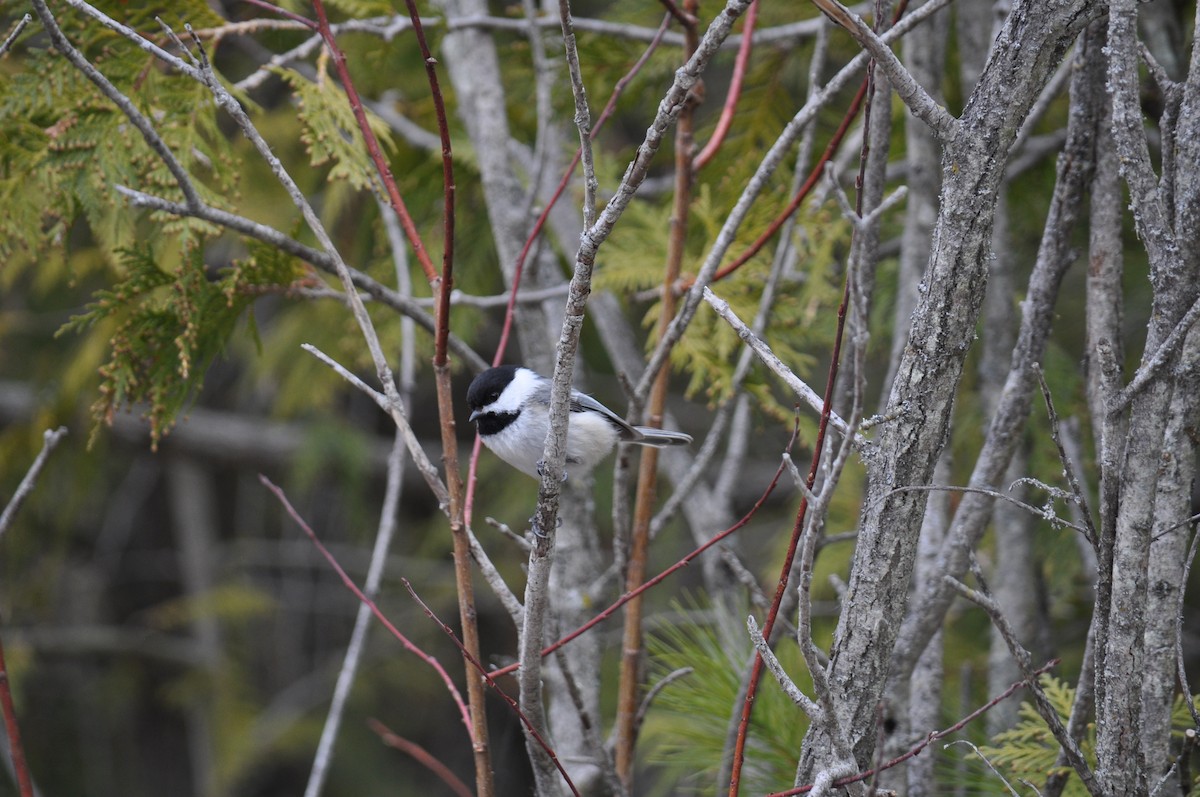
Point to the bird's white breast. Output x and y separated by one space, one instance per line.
521 444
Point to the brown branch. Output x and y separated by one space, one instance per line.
685 17
490 680
756 669
682 563
444 284
629 685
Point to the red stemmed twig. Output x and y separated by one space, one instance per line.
653 582
283 12
373 148
17 750
370 604
809 183
538 226
680 15
381 165
928 740
444 284
734 94
756 669
490 680
421 756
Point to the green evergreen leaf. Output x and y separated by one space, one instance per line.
331 132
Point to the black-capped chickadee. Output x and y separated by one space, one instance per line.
510 406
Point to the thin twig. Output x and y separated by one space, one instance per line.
924 107
1162 355
386 528
654 690
421 756
816 714
650 583
583 117
16 749
777 366
625 728
536 231
428 470
725 122
432 661
126 106
16 31
1077 492
805 188
1182 675
1003 780
1044 708
490 680
684 18
1044 513
754 187
50 440
372 142
928 740
283 12
406 306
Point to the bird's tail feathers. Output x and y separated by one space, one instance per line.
659 438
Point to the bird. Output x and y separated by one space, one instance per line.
510 407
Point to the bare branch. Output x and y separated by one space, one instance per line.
1183 678
985 760
1077 493
583 117
422 756
1044 513
923 106
814 712
14 33
50 441
1150 368
768 358
767 166
984 600
428 470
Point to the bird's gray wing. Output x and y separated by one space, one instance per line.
581 402
541 391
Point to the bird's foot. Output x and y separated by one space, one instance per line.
541 467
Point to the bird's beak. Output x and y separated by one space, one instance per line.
475 414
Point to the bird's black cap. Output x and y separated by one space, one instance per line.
488 386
